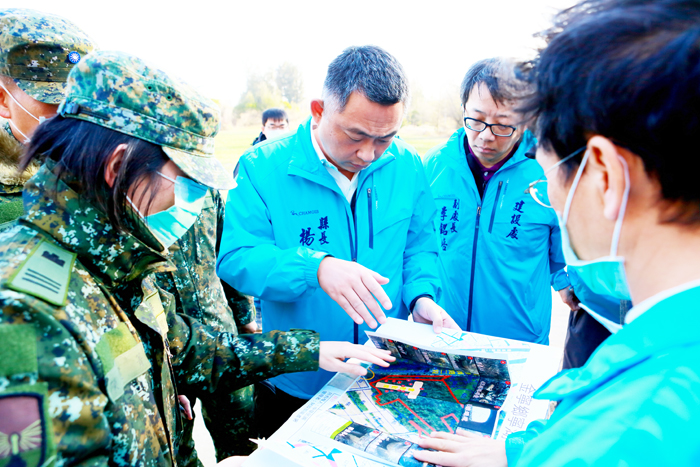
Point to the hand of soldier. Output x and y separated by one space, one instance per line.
249 328
355 288
470 450
428 312
185 407
332 356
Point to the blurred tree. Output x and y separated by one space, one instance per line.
261 93
289 82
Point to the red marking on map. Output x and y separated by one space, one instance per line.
445 422
410 379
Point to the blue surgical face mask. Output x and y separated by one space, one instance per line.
170 225
606 275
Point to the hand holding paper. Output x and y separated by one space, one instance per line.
426 311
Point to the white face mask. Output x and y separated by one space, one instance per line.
272 134
38 119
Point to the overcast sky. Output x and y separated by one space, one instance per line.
213 45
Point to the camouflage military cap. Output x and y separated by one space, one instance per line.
122 93
38 50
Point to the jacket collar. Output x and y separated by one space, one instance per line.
305 163
656 331
11 180
53 206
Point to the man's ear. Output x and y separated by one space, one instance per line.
114 163
317 110
607 166
5 104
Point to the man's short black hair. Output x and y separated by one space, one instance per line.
274 114
369 70
628 70
485 71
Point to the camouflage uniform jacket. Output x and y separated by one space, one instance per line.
90 348
11 182
198 290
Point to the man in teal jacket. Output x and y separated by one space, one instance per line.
618 88
499 250
336 219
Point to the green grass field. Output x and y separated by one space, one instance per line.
230 144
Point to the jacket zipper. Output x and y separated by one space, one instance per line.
369 211
353 253
493 212
471 279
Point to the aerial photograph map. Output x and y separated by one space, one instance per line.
455 382
426 391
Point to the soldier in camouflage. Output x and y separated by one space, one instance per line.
200 294
37 50
92 353
25 38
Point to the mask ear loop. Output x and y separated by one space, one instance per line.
20 105
623 208
135 208
38 119
570 197
166 177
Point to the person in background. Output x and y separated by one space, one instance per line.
499 252
335 220
274 123
92 352
37 50
617 97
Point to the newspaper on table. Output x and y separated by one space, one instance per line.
455 382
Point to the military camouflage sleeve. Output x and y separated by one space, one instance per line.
241 306
52 407
204 359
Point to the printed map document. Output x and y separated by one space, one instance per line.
454 382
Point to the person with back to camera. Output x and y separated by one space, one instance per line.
617 96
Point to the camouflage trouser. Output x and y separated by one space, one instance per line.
186 453
230 421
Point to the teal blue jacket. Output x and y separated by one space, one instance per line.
498 255
287 213
636 402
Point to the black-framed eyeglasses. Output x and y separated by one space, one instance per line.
496 128
538 188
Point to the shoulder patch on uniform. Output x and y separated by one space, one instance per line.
26 435
45 273
17 349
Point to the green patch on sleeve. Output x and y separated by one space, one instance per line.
123 359
17 349
45 273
